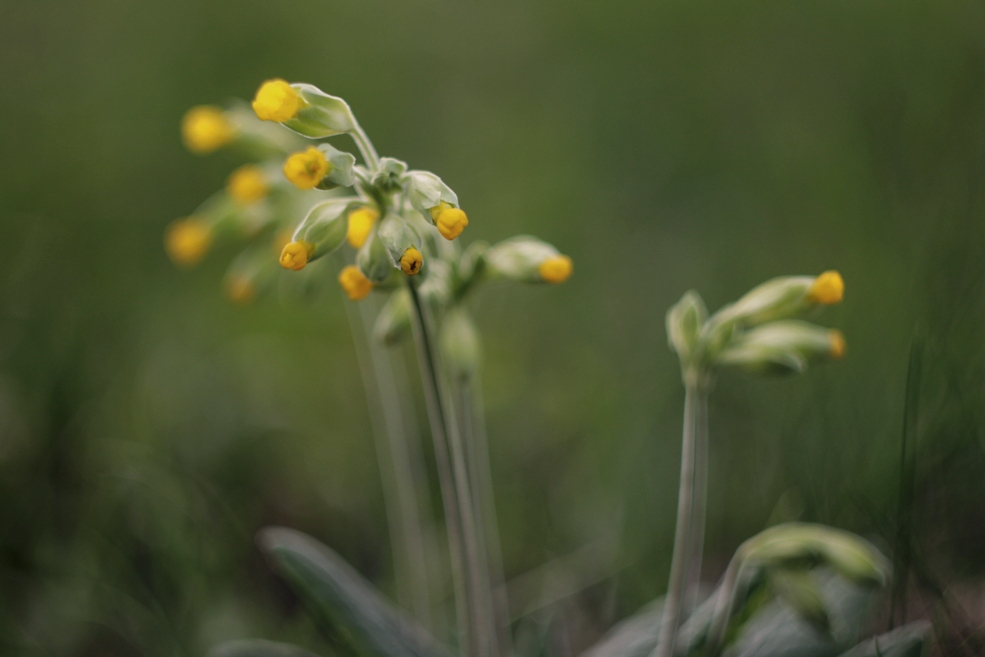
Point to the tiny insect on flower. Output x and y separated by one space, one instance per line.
360 224
277 101
556 269
827 289
355 283
449 220
240 290
187 241
247 184
411 261
295 255
307 168
837 345
205 129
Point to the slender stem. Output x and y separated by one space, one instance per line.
365 146
724 605
450 503
491 554
678 564
400 491
699 510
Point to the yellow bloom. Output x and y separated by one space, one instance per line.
187 241
837 344
828 288
205 128
355 283
277 101
240 289
449 221
556 269
296 254
307 168
247 184
411 261
360 224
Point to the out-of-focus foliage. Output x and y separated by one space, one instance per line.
148 428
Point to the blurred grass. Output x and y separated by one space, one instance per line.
148 429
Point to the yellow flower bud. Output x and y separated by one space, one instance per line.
556 269
450 221
837 344
281 239
187 241
411 261
295 255
307 168
240 289
828 288
360 224
277 101
205 128
355 283
247 184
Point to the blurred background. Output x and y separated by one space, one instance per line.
148 427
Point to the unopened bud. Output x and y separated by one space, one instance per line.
206 128
303 108
187 241
355 283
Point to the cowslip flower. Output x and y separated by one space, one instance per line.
205 129
307 168
247 184
295 255
411 261
450 221
556 269
361 222
276 100
355 283
187 241
827 289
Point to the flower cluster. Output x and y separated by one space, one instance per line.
310 199
762 332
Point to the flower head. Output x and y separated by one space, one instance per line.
556 269
450 221
411 261
355 283
295 255
827 289
187 241
837 344
205 128
360 224
247 184
307 168
240 289
277 101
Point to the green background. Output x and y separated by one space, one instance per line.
148 427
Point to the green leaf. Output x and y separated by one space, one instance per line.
906 641
344 606
258 648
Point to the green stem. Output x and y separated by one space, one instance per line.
365 146
454 485
699 509
678 565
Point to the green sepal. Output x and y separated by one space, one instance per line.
426 190
684 321
518 258
398 236
322 116
325 226
342 163
373 258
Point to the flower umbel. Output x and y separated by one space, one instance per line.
449 220
355 283
296 254
556 269
247 184
827 289
205 129
360 224
411 261
187 241
307 168
277 101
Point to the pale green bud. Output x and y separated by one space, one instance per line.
778 298
799 590
781 346
393 324
426 191
389 177
374 260
303 108
398 236
340 171
522 259
460 343
684 323
321 232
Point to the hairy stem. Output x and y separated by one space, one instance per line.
699 508
678 565
365 146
